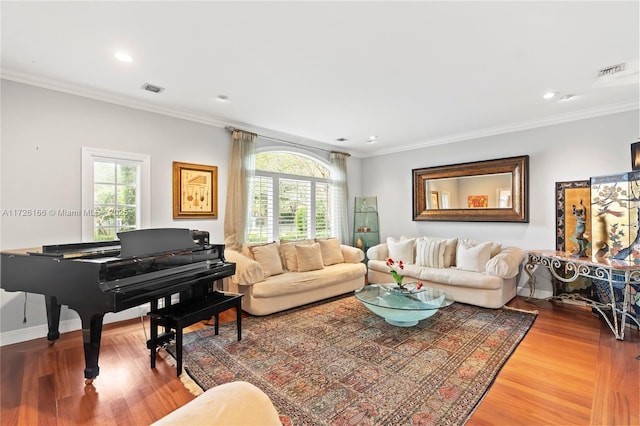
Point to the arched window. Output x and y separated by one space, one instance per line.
291 198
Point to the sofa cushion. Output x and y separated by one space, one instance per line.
473 258
268 256
299 282
309 257
401 250
430 252
448 276
331 251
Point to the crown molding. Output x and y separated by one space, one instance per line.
125 101
103 96
294 139
516 127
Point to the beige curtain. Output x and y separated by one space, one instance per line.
339 224
242 165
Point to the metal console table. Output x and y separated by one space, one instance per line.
603 269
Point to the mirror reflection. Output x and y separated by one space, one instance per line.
474 192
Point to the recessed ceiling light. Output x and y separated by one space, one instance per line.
372 139
342 139
123 56
567 97
550 95
222 98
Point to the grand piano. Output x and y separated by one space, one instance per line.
149 265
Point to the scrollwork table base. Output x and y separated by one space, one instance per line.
605 270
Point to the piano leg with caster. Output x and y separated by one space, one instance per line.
53 318
91 336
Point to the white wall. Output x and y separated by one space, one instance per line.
565 152
42 135
43 132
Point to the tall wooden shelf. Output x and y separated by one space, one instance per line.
366 228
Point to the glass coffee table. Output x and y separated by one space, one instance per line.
402 309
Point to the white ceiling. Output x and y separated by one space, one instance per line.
411 73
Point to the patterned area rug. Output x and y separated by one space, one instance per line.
338 363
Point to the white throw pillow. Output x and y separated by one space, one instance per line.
495 247
269 258
473 258
309 257
430 252
401 250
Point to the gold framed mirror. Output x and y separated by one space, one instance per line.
480 191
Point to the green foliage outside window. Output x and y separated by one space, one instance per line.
115 199
298 178
290 164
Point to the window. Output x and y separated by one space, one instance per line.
115 193
291 198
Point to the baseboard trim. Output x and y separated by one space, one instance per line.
41 330
538 294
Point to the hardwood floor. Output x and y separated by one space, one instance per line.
568 370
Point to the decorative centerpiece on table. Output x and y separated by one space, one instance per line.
394 270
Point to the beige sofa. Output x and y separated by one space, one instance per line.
234 403
283 275
481 274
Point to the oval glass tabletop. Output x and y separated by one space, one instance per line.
402 309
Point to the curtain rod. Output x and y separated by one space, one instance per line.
231 129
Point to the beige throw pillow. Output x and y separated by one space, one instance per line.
269 258
473 258
450 252
289 253
309 257
430 252
331 251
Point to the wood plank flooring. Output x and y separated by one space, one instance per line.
569 370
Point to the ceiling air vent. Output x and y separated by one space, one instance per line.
151 88
623 74
613 69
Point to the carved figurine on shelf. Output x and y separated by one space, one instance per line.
579 236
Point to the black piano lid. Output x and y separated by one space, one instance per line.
91 249
143 242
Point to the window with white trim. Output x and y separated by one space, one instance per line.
291 198
115 193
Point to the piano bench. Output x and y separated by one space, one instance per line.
184 314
